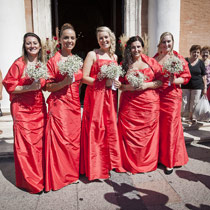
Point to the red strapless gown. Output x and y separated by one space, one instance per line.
100 150
62 146
172 144
29 112
138 124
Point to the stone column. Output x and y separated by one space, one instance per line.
42 18
13 28
163 15
132 17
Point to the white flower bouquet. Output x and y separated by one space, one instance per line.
135 78
111 71
70 66
173 66
37 71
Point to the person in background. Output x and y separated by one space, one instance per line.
28 111
205 51
138 118
62 145
197 85
100 150
172 150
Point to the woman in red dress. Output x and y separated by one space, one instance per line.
172 144
138 119
99 137
62 147
28 110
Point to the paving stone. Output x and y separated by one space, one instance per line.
156 193
91 195
65 199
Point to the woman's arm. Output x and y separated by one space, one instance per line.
89 60
55 86
205 85
26 88
146 85
178 81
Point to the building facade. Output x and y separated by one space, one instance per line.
187 20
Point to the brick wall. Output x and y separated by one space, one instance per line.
195 24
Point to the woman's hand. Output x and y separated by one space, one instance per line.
142 87
67 80
117 84
205 91
35 86
171 78
108 83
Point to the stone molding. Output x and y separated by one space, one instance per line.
132 18
42 18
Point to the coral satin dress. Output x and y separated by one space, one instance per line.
62 146
100 150
172 144
29 113
138 123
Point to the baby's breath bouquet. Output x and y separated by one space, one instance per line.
111 71
71 65
37 71
135 78
173 66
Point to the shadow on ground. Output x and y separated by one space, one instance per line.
190 176
7 167
199 151
130 197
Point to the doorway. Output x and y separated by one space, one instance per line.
86 16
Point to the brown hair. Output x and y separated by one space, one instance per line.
24 52
127 60
206 47
195 47
66 26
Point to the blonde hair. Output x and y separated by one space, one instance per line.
161 39
112 37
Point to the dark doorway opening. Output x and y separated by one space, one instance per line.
86 16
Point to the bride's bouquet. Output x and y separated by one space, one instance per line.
135 78
111 71
173 66
70 66
37 71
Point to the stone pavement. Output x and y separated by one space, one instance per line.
187 187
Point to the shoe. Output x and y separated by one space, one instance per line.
194 121
168 171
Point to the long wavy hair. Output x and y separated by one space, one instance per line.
24 52
161 39
127 59
112 37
